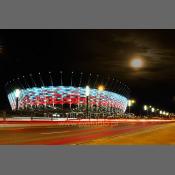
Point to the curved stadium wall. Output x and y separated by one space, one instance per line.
66 98
57 97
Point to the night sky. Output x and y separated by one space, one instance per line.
96 51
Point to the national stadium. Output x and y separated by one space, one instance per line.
68 93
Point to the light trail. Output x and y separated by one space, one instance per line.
83 120
55 132
71 132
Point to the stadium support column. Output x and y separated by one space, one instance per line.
17 102
87 93
17 94
87 105
78 98
70 104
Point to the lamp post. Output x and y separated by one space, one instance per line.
167 113
164 113
160 113
152 110
100 89
87 93
17 94
130 103
145 107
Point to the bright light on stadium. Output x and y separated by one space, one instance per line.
17 93
87 91
78 96
101 88
42 97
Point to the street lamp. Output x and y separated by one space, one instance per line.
133 101
17 94
130 103
100 88
152 109
145 107
87 93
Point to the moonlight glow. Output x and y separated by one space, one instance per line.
136 63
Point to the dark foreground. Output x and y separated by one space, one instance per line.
52 133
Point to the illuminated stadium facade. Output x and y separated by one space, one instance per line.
68 98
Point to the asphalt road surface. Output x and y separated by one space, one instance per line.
125 133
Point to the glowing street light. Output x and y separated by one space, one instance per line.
101 88
87 92
17 95
160 112
130 103
152 109
145 107
133 101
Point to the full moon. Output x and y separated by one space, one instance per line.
136 63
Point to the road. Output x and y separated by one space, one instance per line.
109 134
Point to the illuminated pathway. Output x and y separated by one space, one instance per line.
50 133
